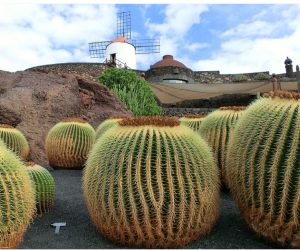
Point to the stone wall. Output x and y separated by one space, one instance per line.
86 70
93 70
181 111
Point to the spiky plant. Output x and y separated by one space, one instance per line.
152 182
17 203
263 167
216 129
44 187
14 140
69 142
192 121
107 124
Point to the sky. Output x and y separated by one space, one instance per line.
231 38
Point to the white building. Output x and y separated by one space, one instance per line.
121 53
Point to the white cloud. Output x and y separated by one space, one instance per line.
256 28
42 34
193 47
179 19
243 49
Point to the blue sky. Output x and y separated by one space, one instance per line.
229 38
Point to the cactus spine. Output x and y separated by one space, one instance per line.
69 142
14 140
192 121
263 167
151 182
216 129
17 204
105 125
44 187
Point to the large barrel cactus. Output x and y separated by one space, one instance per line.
69 142
17 203
216 129
14 140
152 182
44 187
263 167
107 124
192 121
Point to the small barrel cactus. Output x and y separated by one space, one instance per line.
263 167
69 142
44 187
216 129
192 121
107 124
17 203
152 182
14 140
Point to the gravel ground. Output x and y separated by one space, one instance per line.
79 232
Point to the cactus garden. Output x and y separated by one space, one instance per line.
155 181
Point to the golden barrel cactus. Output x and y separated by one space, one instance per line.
216 129
14 140
17 203
151 182
263 167
69 142
44 187
192 121
107 124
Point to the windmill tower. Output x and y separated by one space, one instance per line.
121 52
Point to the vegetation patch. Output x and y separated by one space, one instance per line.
133 91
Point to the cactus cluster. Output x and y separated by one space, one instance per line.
151 182
263 167
17 203
69 142
216 129
44 187
192 121
107 124
14 140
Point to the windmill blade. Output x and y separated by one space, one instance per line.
97 49
146 46
124 24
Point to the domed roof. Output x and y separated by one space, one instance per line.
120 39
167 61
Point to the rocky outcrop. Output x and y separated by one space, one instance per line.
35 101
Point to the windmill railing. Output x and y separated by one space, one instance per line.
116 63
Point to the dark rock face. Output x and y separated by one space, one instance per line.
35 101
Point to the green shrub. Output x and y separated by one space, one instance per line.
239 78
262 76
133 91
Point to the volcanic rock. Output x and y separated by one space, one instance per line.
35 101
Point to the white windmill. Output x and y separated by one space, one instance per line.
121 52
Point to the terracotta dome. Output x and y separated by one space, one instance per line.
120 39
167 61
